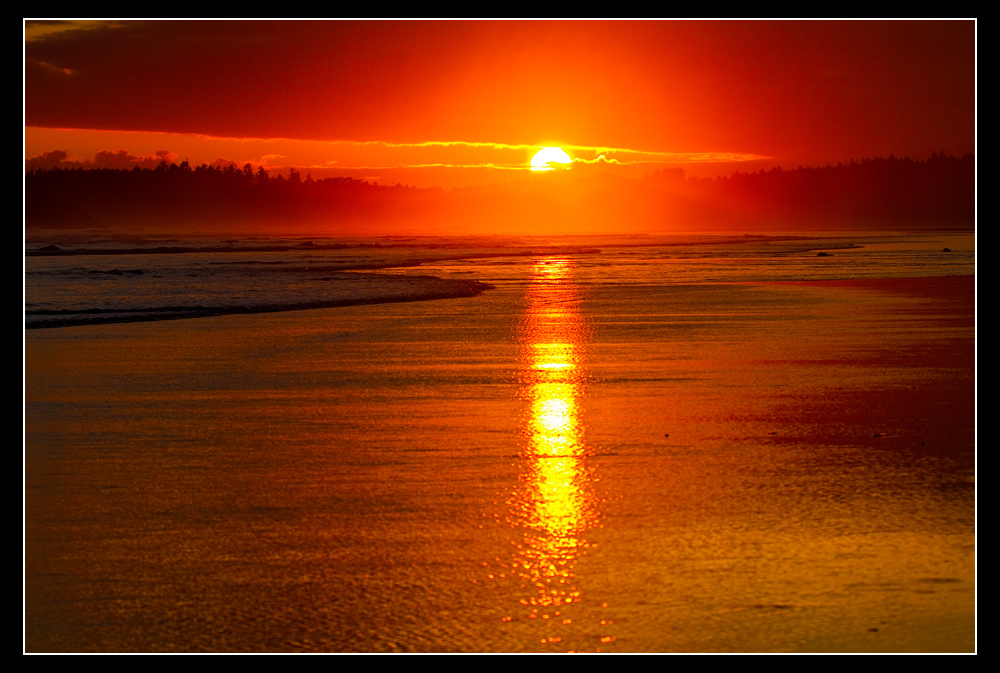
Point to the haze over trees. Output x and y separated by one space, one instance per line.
882 192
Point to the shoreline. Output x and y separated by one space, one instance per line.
467 288
934 287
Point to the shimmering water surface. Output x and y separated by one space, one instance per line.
651 448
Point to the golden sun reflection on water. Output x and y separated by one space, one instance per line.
554 503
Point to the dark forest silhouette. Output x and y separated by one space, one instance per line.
881 192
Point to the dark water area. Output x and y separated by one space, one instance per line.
712 446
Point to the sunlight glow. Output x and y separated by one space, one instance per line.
545 157
555 504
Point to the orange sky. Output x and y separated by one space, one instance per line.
452 102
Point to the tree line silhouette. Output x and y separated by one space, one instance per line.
873 191
178 196
902 192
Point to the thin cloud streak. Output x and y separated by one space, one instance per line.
651 155
427 163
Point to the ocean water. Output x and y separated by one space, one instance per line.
674 445
101 279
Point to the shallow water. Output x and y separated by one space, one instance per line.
592 457
96 279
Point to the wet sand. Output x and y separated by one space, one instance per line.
548 467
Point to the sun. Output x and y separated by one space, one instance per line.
545 157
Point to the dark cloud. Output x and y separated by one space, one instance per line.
119 159
49 160
114 159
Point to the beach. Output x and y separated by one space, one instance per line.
590 457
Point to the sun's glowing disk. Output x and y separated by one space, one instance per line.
549 155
